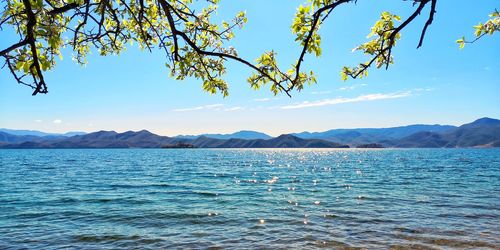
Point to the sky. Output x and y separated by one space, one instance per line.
436 84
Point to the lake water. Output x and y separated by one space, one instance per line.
197 198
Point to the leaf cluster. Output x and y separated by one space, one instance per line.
193 43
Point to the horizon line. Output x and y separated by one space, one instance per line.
227 133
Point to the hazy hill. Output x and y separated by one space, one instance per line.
146 139
282 141
11 138
243 134
112 139
484 132
37 133
420 140
372 135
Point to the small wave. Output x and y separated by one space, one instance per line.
33 215
120 200
107 238
202 193
140 186
67 200
160 185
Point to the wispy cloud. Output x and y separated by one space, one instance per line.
351 87
423 89
57 121
210 107
234 109
262 99
38 121
346 88
267 99
362 98
321 92
213 107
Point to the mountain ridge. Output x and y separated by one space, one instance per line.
146 139
39 133
483 132
242 134
372 135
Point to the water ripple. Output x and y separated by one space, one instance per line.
265 198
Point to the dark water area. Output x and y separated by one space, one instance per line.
285 198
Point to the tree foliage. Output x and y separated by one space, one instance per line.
488 28
194 45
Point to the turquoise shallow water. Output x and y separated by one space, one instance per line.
178 198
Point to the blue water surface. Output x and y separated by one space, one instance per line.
269 198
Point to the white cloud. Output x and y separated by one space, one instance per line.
211 107
262 99
351 87
423 89
57 121
266 99
321 92
38 121
347 88
362 98
234 109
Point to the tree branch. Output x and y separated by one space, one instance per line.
391 39
30 37
63 9
14 46
427 23
315 22
166 7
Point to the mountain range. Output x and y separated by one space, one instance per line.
146 139
484 132
373 135
243 134
38 133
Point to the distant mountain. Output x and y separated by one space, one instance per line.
291 141
146 139
484 132
370 145
486 121
73 133
282 141
10 138
37 133
243 134
24 132
360 136
112 139
421 140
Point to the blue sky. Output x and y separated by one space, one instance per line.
436 84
